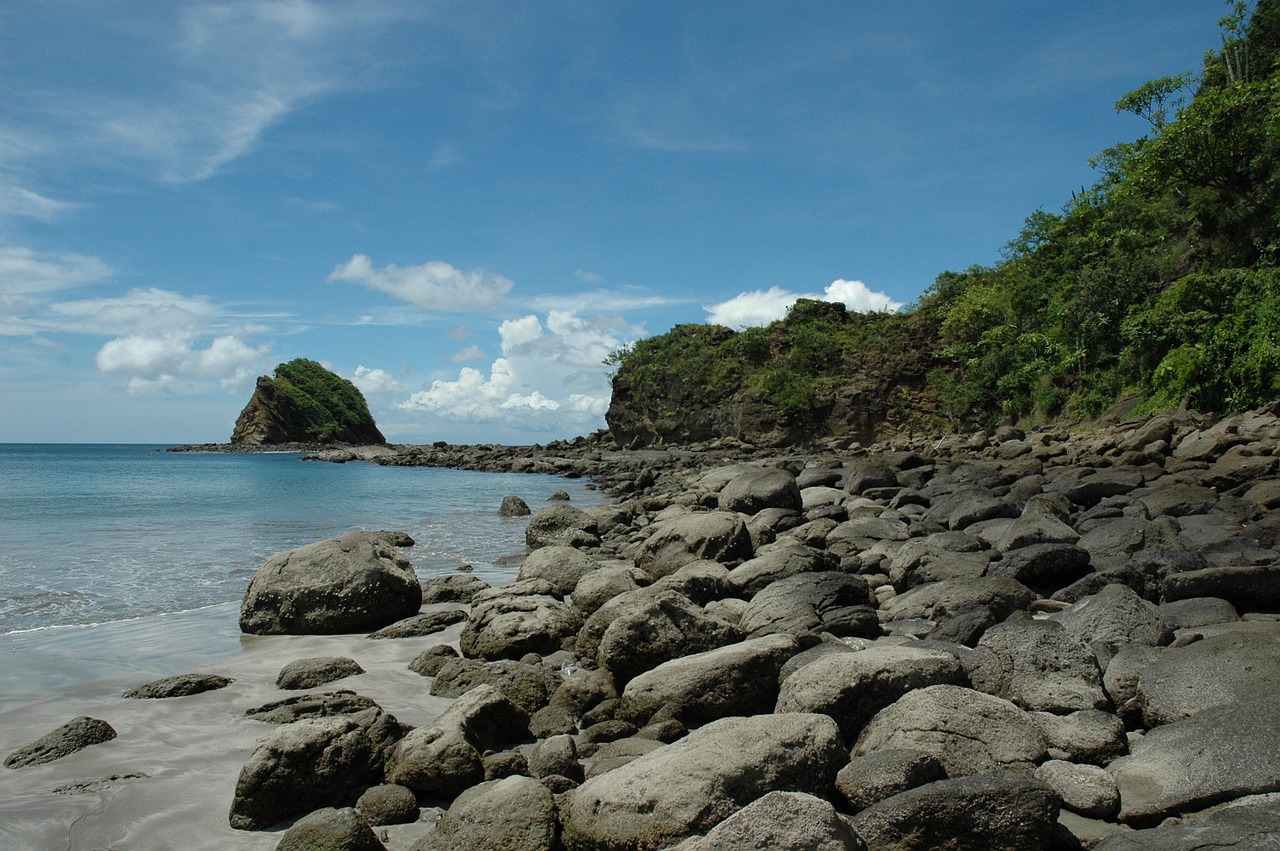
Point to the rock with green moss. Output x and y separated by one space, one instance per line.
305 403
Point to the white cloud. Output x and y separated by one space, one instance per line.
155 363
434 286
25 272
760 307
551 376
16 201
375 382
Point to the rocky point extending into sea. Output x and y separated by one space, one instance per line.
1014 639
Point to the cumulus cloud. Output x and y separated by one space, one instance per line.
434 286
760 307
156 363
375 382
551 375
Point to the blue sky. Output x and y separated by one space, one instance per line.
464 206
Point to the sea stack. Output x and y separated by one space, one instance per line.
305 403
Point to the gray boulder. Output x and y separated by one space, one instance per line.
1044 568
778 561
454 588
661 627
561 524
330 828
1205 759
1088 736
527 686
968 504
853 687
316 762
982 813
446 757
1038 665
513 506
687 788
752 491
870 779
969 731
180 686
315 705
600 586
512 814
716 535
780 821
1113 617
1249 587
939 601
507 626
1084 789
738 679
388 803
830 601
76 734
933 558
1232 667
558 564
417 626
429 662
357 582
316 671
1250 824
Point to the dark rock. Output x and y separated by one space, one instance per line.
1038 665
527 686
870 779
939 601
992 812
454 588
660 627
830 601
778 561
968 505
180 686
780 821
686 788
1222 670
388 803
968 731
320 705
354 583
505 764
755 490
316 762
720 536
556 755
429 662
738 679
1044 568
72 736
853 687
329 828
1114 616
1250 588
420 625
561 524
933 558
512 814
1250 824
1199 611
1089 736
513 506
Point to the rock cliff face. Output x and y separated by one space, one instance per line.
305 403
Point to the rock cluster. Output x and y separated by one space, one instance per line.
1008 640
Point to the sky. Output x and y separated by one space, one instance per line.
464 207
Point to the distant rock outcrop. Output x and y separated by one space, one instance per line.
305 403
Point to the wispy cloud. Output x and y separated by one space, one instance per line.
434 286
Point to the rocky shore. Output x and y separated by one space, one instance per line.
1014 639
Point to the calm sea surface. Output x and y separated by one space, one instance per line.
95 534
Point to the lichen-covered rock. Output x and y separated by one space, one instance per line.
1038 665
780 821
357 582
664 626
716 535
388 803
180 686
509 625
316 671
511 814
330 828
76 734
752 491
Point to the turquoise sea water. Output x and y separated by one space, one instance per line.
96 534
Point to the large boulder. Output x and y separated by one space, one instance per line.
330 828
1207 758
778 561
687 788
1233 667
1038 665
968 731
830 601
1113 617
512 814
357 582
981 813
316 671
738 679
558 564
447 756
509 625
561 524
780 821
716 535
752 491
665 625
76 734
1250 587
1247 824
602 585
853 687
313 763
940 602
873 777
528 686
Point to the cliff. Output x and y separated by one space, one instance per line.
305 403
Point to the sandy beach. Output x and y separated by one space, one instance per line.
167 780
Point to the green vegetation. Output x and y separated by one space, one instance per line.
1159 281
321 406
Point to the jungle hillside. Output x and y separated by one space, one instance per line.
1158 284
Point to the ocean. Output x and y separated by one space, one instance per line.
104 544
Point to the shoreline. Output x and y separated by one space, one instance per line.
997 494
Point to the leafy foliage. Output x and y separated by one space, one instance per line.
333 408
1161 280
